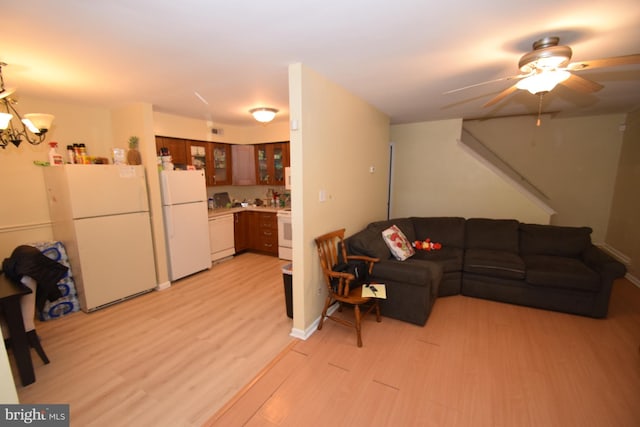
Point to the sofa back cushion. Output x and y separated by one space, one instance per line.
537 239
494 234
449 231
368 242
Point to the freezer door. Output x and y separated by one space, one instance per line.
183 187
187 239
114 258
97 190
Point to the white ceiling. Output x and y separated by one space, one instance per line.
400 55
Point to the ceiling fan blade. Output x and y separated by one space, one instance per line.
581 84
508 91
605 62
485 83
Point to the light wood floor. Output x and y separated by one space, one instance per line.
475 363
169 358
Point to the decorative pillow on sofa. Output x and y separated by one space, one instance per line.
397 242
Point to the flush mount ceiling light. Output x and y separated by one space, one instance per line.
33 127
263 114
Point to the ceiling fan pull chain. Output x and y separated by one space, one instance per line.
539 109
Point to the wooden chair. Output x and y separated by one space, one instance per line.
341 286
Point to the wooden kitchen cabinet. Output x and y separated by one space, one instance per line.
222 171
177 149
256 231
241 231
214 158
271 159
267 240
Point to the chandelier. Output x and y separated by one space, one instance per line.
33 127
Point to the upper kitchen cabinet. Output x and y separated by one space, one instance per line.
244 164
177 149
214 158
200 157
221 163
271 159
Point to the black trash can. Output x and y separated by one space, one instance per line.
287 276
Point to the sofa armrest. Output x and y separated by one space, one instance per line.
420 273
603 263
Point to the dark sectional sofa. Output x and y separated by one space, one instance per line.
544 266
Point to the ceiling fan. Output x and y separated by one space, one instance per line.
547 65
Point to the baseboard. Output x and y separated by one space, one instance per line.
633 279
163 286
615 253
303 334
623 259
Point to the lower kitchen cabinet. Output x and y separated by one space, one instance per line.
221 236
267 233
256 231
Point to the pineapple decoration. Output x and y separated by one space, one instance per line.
133 155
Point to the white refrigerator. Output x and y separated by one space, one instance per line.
186 221
101 215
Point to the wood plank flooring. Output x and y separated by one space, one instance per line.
475 363
215 350
169 358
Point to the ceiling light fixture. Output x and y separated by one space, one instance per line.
33 127
543 81
263 114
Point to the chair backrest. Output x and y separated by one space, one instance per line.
330 250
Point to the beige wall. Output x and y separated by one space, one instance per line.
623 234
338 138
572 160
189 128
433 175
24 213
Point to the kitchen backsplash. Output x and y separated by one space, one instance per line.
248 193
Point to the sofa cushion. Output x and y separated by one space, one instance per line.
560 272
419 273
449 231
496 234
397 242
449 258
368 242
494 263
536 239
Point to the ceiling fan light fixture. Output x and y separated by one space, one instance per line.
263 114
546 55
543 81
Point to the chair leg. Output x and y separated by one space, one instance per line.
378 319
356 310
324 312
34 342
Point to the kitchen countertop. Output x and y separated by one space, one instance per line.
225 211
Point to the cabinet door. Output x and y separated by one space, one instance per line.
177 149
264 170
200 156
241 231
221 154
244 164
278 157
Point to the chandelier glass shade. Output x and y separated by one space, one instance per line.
33 127
263 114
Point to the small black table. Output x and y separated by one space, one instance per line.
10 294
